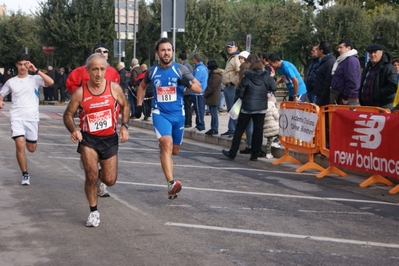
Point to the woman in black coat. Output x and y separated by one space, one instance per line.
252 90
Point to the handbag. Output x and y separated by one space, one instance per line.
235 109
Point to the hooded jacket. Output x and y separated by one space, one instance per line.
383 86
212 92
253 90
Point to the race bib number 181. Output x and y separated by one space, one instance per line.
166 94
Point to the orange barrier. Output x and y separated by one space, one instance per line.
328 111
291 143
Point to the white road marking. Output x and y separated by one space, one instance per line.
266 194
285 235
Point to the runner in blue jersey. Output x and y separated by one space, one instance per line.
169 79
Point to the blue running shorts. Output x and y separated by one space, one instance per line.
168 125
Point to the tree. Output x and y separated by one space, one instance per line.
75 26
18 32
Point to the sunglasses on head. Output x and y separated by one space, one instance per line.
105 51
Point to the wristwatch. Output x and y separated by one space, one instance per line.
37 71
126 125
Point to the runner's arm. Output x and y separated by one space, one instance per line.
70 111
117 91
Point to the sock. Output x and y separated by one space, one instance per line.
24 173
171 182
93 209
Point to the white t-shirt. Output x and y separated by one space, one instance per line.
25 97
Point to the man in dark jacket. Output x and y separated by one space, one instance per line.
378 83
309 80
323 75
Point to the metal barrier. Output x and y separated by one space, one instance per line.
291 143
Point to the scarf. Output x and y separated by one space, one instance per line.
341 58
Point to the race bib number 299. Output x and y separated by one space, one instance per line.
166 94
100 120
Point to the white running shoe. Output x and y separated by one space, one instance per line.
174 189
276 145
93 220
269 156
102 189
25 180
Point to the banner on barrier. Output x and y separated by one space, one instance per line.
298 124
365 142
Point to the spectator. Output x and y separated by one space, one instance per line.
271 124
345 81
378 81
201 74
395 63
212 95
49 92
322 79
290 76
148 96
61 84
250 127
252 90
268 67
122 74
230 80
134 73
187 93
309 80
6 77
243 56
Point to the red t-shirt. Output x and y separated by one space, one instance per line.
79 76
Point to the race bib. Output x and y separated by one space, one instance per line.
166 94
100 120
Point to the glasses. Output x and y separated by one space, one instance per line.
105 51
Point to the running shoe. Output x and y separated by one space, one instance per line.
93 220
276 145
174 189
25 180
102 189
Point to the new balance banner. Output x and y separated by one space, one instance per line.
365 142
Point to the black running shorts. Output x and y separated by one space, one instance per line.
106 147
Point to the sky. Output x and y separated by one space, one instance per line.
24 5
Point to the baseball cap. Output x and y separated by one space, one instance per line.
98 45
243 54
374 47
231 44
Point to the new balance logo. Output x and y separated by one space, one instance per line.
369 131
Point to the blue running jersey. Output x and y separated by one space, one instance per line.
168 94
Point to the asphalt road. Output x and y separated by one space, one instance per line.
228 213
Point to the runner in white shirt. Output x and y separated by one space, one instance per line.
24 112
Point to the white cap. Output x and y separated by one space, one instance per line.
244 54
